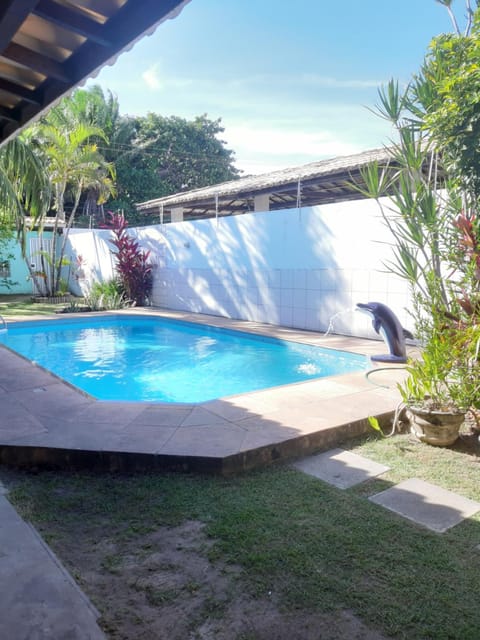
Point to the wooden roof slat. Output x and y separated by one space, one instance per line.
105 8
121 29
71 20
32 60
46 32
13 14
48 47
28 78
7 114
20 91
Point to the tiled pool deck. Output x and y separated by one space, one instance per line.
46 422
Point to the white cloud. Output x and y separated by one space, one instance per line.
327 82
275 141
151 78
304 80
262 149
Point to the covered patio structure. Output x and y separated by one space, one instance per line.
48 47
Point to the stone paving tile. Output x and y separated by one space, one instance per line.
426 504
88 436
162 416
39 439
353 383
199 416
350 382
12 360
264 433
39 598
20 428
115 413
356 406
263 402
143 439
242 407
56 399
227 408
380 377
325 389
215 441
12 410
341 468
16 421
27 377
294 422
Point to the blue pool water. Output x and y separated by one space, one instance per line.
158 360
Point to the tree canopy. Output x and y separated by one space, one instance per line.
153 155
171 154
447 90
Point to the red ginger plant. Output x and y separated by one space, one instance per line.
468 228
132 266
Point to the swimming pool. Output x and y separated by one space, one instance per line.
152 359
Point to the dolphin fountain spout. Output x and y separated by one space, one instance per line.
386 323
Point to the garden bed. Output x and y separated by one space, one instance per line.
52 299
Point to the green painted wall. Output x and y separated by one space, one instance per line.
18 269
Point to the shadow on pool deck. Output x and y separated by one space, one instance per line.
44 422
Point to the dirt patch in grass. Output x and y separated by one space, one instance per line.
163 586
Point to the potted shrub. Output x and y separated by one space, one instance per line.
444 383
429 197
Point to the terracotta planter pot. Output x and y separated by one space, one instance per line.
439 428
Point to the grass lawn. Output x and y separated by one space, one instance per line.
23 306
277 541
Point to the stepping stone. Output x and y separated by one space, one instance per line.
341 468
433 507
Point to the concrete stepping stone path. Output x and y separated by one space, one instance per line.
40 600
421 502
341 468
427 504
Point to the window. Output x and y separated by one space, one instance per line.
5 269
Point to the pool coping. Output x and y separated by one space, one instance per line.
45 422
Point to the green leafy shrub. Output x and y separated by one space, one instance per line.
107 296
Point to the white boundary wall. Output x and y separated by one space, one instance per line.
295 267
97 260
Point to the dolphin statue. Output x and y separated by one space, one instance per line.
386 323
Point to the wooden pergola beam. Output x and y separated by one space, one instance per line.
7 114
20 91
71 21
35 61
13 14
107 29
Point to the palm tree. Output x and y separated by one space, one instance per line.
102 110
73 166
24 187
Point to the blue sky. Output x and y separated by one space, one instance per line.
291 81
